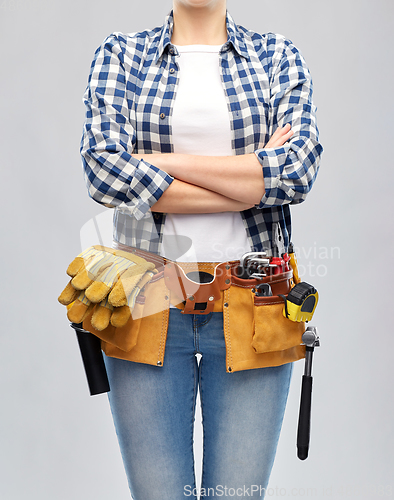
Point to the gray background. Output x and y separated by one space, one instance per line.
57 442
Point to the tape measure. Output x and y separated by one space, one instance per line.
301 302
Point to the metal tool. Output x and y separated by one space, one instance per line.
252 264
263 290
311 340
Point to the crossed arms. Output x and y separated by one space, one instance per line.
207 184
278 173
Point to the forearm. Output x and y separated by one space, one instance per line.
182 197
236 177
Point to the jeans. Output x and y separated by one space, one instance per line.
153 410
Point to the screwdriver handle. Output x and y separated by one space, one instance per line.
304 420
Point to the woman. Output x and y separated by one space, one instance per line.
201 134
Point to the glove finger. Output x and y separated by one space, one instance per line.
92 270
68 295
80 261
123 288
99 289
134 294
102 315
80 309
120 316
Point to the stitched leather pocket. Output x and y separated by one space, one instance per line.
272 331
147 316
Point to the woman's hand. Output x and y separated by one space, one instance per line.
280 137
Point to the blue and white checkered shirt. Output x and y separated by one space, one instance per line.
129 100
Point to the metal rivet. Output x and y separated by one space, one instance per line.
191 297
253 290
172 70
211 298
159 363
166 297
227 282
162 115
171 51
225 304
230 369
227 267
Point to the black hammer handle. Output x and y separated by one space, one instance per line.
93 361
304 421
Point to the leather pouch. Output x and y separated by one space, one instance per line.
272 331
143 337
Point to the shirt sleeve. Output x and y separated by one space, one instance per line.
290 170
112 175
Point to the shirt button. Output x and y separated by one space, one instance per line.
172 70
171 51
162 116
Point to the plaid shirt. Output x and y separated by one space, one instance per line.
129 99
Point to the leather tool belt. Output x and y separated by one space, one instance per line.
196 287
199 290
255 330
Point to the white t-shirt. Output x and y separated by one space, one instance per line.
201 126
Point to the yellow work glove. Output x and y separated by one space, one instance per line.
105 279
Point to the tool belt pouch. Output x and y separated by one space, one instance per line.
142 338
271 331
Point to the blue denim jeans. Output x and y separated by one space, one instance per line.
153 410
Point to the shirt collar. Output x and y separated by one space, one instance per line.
234 37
